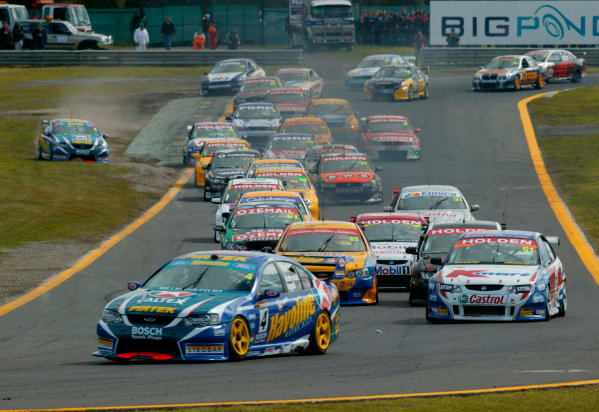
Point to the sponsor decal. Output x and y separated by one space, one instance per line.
224 258
171 294
331 231
337 158
174 301
146 332
214 126
204 349
452 231
295 318
275 234
255 186
497 241
474 299
309 259
481 274
105 344
401 120
279 173
152 309
389 221
263 210
446 194
392 270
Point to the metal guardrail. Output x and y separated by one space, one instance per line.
146 58
466 57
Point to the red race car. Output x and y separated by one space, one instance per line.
290 102
560 65
391 135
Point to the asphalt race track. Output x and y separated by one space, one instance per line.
472 140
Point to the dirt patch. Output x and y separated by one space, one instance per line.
120 117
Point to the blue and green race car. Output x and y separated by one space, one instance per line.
71 139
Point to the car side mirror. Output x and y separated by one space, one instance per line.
266 249
474 208
412 250
215 200
378 168
104 136
388 209
226 216
45 123
271 294
196 156
417 130
437 261
133 285
218 228
189 127
206 166
228 118
206 73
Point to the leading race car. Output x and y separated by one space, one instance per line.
500 276
392 137
406 82
302 78
226 164
71 139
435 203
560 65
389 234
356 77
256 122
218 305
227 76
336 252
509 72
199 133
255 90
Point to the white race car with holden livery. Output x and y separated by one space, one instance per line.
498 276
435 203
303 78
389 234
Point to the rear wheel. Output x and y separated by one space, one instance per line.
426 92
577 76
39 152
320 338
410 94
540 82
205 195
563 303
239 339
548 304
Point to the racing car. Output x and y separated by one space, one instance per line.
273 163
226 164
253 226
405 82
392 137
234 191
255 122
302 78
276 196
348 177
435 203
356 77
290 102
389 234
310 125
438 240
72 139
220 305
227 76
204 158
509 72
498 276
337 253
289 146
337 114
560 64
255 90
198 133
316 152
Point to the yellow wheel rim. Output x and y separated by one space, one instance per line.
323 331
240 337
517 83
541 80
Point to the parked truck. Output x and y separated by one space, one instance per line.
315 23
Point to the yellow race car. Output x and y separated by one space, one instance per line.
337 114
337 253
259 164
204 157
405 82
311 125
294 180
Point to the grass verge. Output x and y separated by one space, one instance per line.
578 106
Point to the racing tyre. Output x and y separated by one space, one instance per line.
117 359
426 93
39 152
239 339
517 84
429 319
563 303
577 76
548 304
217 237
376 291
410 94
540 82
412 302
320 338
205 197
51 154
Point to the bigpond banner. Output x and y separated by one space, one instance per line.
515 22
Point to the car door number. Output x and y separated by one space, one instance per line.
263 325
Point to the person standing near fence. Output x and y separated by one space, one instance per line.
205 23
168 32
453 39
17 36
39 37
213 35
232 40
141 38
419 41
199 38
5 37
138 18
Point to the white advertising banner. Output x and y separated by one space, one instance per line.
515 22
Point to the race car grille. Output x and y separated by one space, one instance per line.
82 146
484 310
393 281
488 85
391 262
484 287
257 141
259 244
321 272
489 76
395 143
142 345
150 319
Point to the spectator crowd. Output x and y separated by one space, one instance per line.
397 28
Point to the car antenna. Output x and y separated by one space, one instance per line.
504 223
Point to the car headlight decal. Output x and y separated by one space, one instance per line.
201 320
110 316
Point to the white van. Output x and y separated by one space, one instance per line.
76 14
12 13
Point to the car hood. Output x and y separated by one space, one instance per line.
390 136
392 250
223 77
384 81
347 177
256 123
334 118
345 260
253 93
366 71
488 274
78 139
250 235
289 154
445 215
228 172
179 303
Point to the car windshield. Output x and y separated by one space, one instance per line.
83 129
17 13
399 73
290 180
501 64
333 108
322 240
82 16
233 161
389 126
376 62
332 11
256 112
293 76
193 274
209 150
393 233
439 243
258 86
431 202
211 132
340 164
310 128
290 144
539 57
234 193
285 97
502 251
229 67
264 217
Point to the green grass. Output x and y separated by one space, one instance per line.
579 106
568 399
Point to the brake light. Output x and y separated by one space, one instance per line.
81 30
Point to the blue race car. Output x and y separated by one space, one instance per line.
70 139
227 76
221 305
356 77
509 72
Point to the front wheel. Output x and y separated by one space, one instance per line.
517 84
320 338
540 82
39 152
410 94
577 76
548 304
426 92
239 339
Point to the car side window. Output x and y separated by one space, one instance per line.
550 251
524 64
545 257
305 277
290 276
554 58
270 279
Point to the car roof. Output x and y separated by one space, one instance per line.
299 136
293 69
256 104
430 188
381 56
241 60
70 120
389 216
350 155
284 90
268 162
512 234
474 224
213 124
389 117
253 181
324 224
